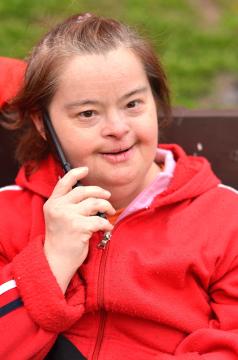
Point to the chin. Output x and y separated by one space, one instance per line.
120 180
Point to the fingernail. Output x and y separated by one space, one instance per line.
107 192
83 168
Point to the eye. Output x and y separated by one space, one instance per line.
132 104
87 113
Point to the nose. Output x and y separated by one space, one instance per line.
115 125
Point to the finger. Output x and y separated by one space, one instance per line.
65 184
81 193
96 223
92 206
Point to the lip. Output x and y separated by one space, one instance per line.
117 150
119 155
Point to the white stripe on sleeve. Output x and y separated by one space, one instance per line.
10 187
11 284
228 188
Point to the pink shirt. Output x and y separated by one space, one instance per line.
160 183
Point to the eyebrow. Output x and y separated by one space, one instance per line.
137 91
73 104
81 103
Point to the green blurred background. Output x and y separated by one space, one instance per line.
197 40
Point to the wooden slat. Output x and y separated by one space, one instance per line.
213 134
209 133
8 166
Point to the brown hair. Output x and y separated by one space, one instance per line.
79 34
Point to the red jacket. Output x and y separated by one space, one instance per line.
165 287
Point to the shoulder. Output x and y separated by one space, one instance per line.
228 190
14 203
10 195
225 227
17 202
14 214
225 197
17 208
221 212
10 189
223 193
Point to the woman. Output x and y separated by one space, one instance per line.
156 276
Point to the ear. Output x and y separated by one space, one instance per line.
38 122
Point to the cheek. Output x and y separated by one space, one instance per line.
149 130
155 127
79 146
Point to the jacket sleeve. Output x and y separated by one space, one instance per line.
219 340
33 309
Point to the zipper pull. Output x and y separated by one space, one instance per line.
103 243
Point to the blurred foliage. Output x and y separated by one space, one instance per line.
193 49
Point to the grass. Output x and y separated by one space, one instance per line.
192 50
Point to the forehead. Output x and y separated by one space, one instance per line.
115 70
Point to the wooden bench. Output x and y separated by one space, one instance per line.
210 133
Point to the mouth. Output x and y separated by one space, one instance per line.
118 155
117 151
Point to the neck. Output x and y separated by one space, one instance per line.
118 201
132 190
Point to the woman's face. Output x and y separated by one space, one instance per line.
105 116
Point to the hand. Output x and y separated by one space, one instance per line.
70 220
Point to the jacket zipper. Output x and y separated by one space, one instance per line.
107 235
104 245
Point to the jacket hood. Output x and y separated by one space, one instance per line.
43 180
12 74
192 177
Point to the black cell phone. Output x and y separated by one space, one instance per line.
58 148
55 141
56 144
